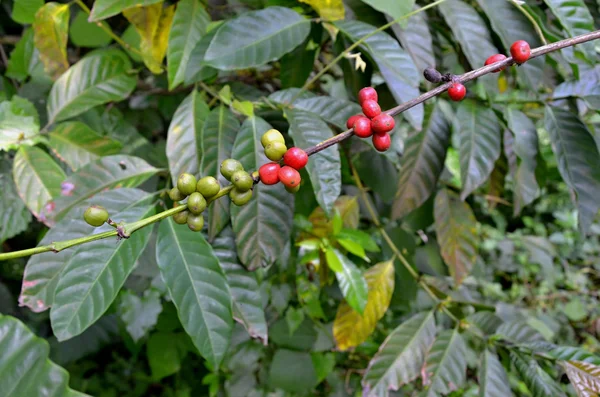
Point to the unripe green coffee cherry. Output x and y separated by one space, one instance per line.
196 203
271 136
95 215
242 181
229 166
186 183
176 195
181 217
293 189
240 198
275 151
195 222
208 186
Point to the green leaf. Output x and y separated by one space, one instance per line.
196 70
493 380
24 11
198 288
480 139
518 331
51 31
567 353
353 248
576 19
24 58
107 8
297 65
106 173
333 261
470 30
88 34
324 167
396 66
446 366
487 322
185 134
539 383
351 282
38 179
19 123
578 160
164 354
42 270
189 25
422 163
218 135
245 288
26 369
14 216
359 237
264 225
256 37
77 144
416 39
139 314
350 328
400 356
584 377
333 110
92 278
394 9
294 318
511 25
292 371
455 226
100 77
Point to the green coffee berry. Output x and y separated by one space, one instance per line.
208 186
229 166
186 183
275 151
176 195
95 215
240 198
242 181
271 136
195 222
293 189
181 217
196 203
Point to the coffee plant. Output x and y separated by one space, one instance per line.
288 198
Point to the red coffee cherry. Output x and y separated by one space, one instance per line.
382 142
352 119
295 158
457 91
382 124
269 173
367 93
494 59
362 127
289 176
520 51
371 108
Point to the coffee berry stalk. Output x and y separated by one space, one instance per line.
269 173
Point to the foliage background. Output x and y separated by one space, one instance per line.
491 203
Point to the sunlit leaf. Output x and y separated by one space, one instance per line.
107 8
584 377
455 226
19 123
38 178
51 30
329 10
350 329
153 23
446 366
92 278
189 25
401 356
351 282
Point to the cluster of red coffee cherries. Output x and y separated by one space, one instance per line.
373 123
519 50
294 159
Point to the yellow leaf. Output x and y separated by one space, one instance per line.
329 10
348 208
350 329
50 33
153 23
